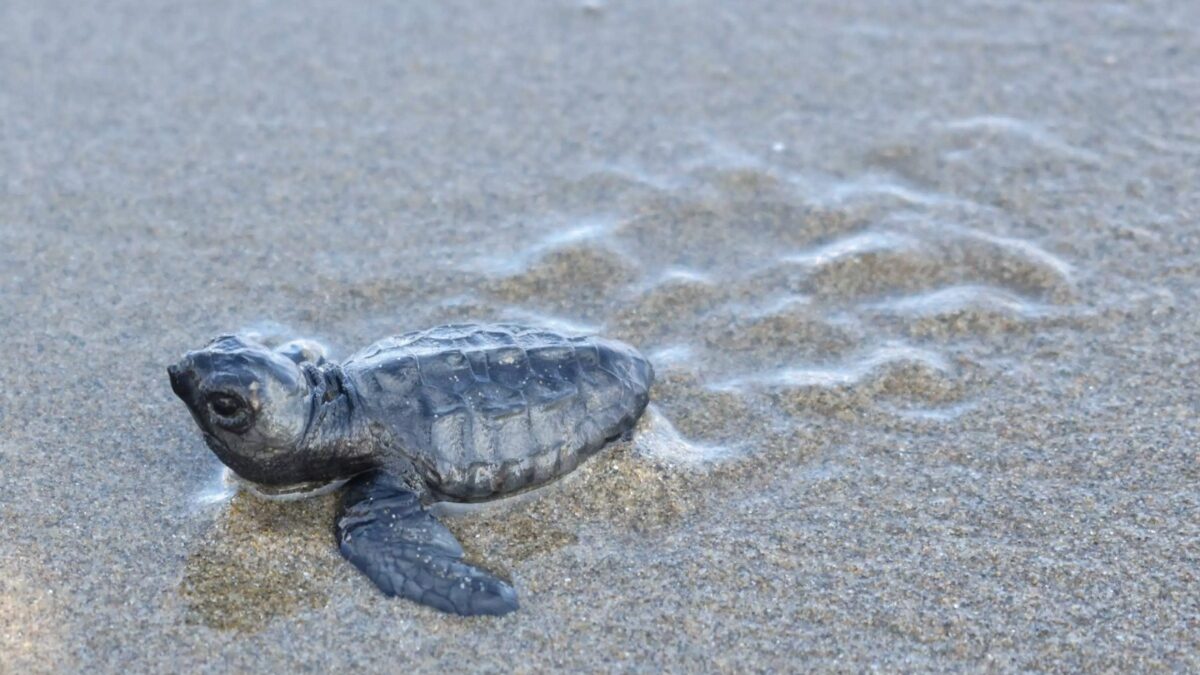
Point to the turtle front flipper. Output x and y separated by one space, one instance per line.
385 531
302 350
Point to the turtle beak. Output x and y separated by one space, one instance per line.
180 382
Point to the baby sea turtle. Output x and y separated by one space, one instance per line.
459 413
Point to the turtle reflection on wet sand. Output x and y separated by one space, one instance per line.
457 413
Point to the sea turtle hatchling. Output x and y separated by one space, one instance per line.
458 413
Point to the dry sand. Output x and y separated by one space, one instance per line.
920 280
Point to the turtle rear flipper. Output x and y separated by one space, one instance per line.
383 529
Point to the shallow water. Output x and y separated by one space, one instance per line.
919 282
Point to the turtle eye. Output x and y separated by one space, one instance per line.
229 410
225 405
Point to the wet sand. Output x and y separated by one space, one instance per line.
919 280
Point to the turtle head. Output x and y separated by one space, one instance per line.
253 405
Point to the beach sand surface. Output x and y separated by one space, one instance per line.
919 281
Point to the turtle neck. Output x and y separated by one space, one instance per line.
337 439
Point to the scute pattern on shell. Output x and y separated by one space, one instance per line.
486 409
